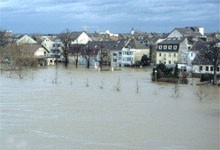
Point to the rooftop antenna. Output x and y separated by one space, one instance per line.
85 28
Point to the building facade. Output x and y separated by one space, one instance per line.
173 51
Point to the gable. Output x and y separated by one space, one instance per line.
175 33
26 40
83 38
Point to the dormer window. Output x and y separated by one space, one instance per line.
175 47
165 47
170 47
160 47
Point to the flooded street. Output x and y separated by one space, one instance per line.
86 109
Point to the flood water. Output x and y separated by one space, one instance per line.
87 109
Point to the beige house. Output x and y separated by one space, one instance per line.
173 51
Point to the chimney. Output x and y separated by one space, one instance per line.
201 30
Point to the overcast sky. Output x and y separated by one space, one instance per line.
118 16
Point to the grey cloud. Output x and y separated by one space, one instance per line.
114 12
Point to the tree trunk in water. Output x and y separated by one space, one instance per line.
66 61
77 61
100 65
215 77
88 64
65 58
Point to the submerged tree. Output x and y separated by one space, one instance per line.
65 37
86 53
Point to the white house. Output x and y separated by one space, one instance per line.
116 58
79 38
47 43
26 40
133 51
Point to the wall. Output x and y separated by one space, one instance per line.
166 57
183 52
196 69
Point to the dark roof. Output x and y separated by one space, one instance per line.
74 35
189 31
200 58
198 45
172 41
133 43
110 45
30 48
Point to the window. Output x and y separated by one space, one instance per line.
206 68
114 60
218 69
200 68
160 46
164 62
174 54
165 47
160 61
175 47
211 69
170 47
159 54
169 54
169 62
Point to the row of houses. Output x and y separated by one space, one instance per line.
181 46
119 52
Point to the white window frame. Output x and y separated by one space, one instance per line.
165 47
169 47
175 47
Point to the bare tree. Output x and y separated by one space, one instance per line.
76 50
176 91
86 53
210 54
3 43
65 37
201 93
137 87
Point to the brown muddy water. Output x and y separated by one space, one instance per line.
86 109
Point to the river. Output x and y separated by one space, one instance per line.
69 108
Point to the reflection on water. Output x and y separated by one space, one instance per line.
82 109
